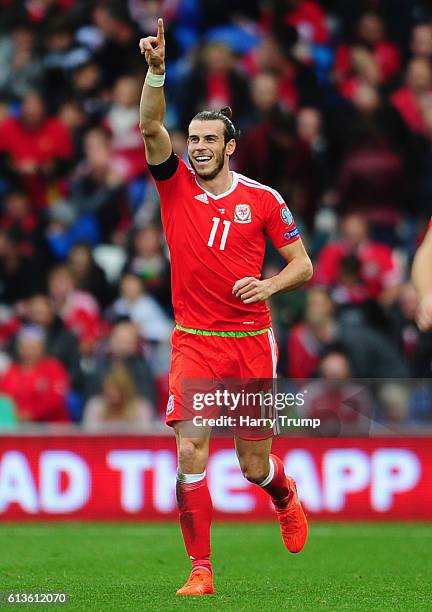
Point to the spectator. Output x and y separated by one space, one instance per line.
9 325
372 172
20 276
421 41
34 12
148 261
370 38
343 406
87 89
97 186
214 82
309 127
291 168
124 348
370 353
394 400
403 324
88 276
60 342
78 309
264 92
122 122
19 221
38 147
380 271
303 345
66 228
20 68
309 19
38 384
118 405
411 99
77 122
297 82
142 309
365 71
118 54
349 291
61 56
310 130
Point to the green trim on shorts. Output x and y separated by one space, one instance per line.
225 334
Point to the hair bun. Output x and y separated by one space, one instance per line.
227 111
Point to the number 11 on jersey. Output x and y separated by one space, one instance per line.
211 239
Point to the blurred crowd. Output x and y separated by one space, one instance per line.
334 101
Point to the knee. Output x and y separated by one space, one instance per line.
255 471
191 457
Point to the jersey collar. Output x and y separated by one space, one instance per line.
225 193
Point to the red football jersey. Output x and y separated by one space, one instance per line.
215 241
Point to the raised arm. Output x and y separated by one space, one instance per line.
152 105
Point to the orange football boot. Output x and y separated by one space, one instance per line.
200 582
293 522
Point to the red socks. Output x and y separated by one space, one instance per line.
276 483
195 507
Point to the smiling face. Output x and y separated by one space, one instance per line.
207 151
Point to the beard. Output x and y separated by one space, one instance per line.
211 173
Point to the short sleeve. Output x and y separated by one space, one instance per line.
279 223
167 175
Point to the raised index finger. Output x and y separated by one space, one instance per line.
160 33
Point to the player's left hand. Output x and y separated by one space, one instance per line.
250 289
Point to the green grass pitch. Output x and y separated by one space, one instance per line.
139 566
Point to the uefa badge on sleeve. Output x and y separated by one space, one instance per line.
242 213
286 215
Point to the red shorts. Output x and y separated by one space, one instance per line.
199 364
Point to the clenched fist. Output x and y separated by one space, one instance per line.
250 289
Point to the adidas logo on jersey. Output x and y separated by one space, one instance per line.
202 197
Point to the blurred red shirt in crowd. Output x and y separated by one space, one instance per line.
307 337
371 38
310 21
36 11
37 384
36 145
412 98
303 351
306 16
379 271
78 309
